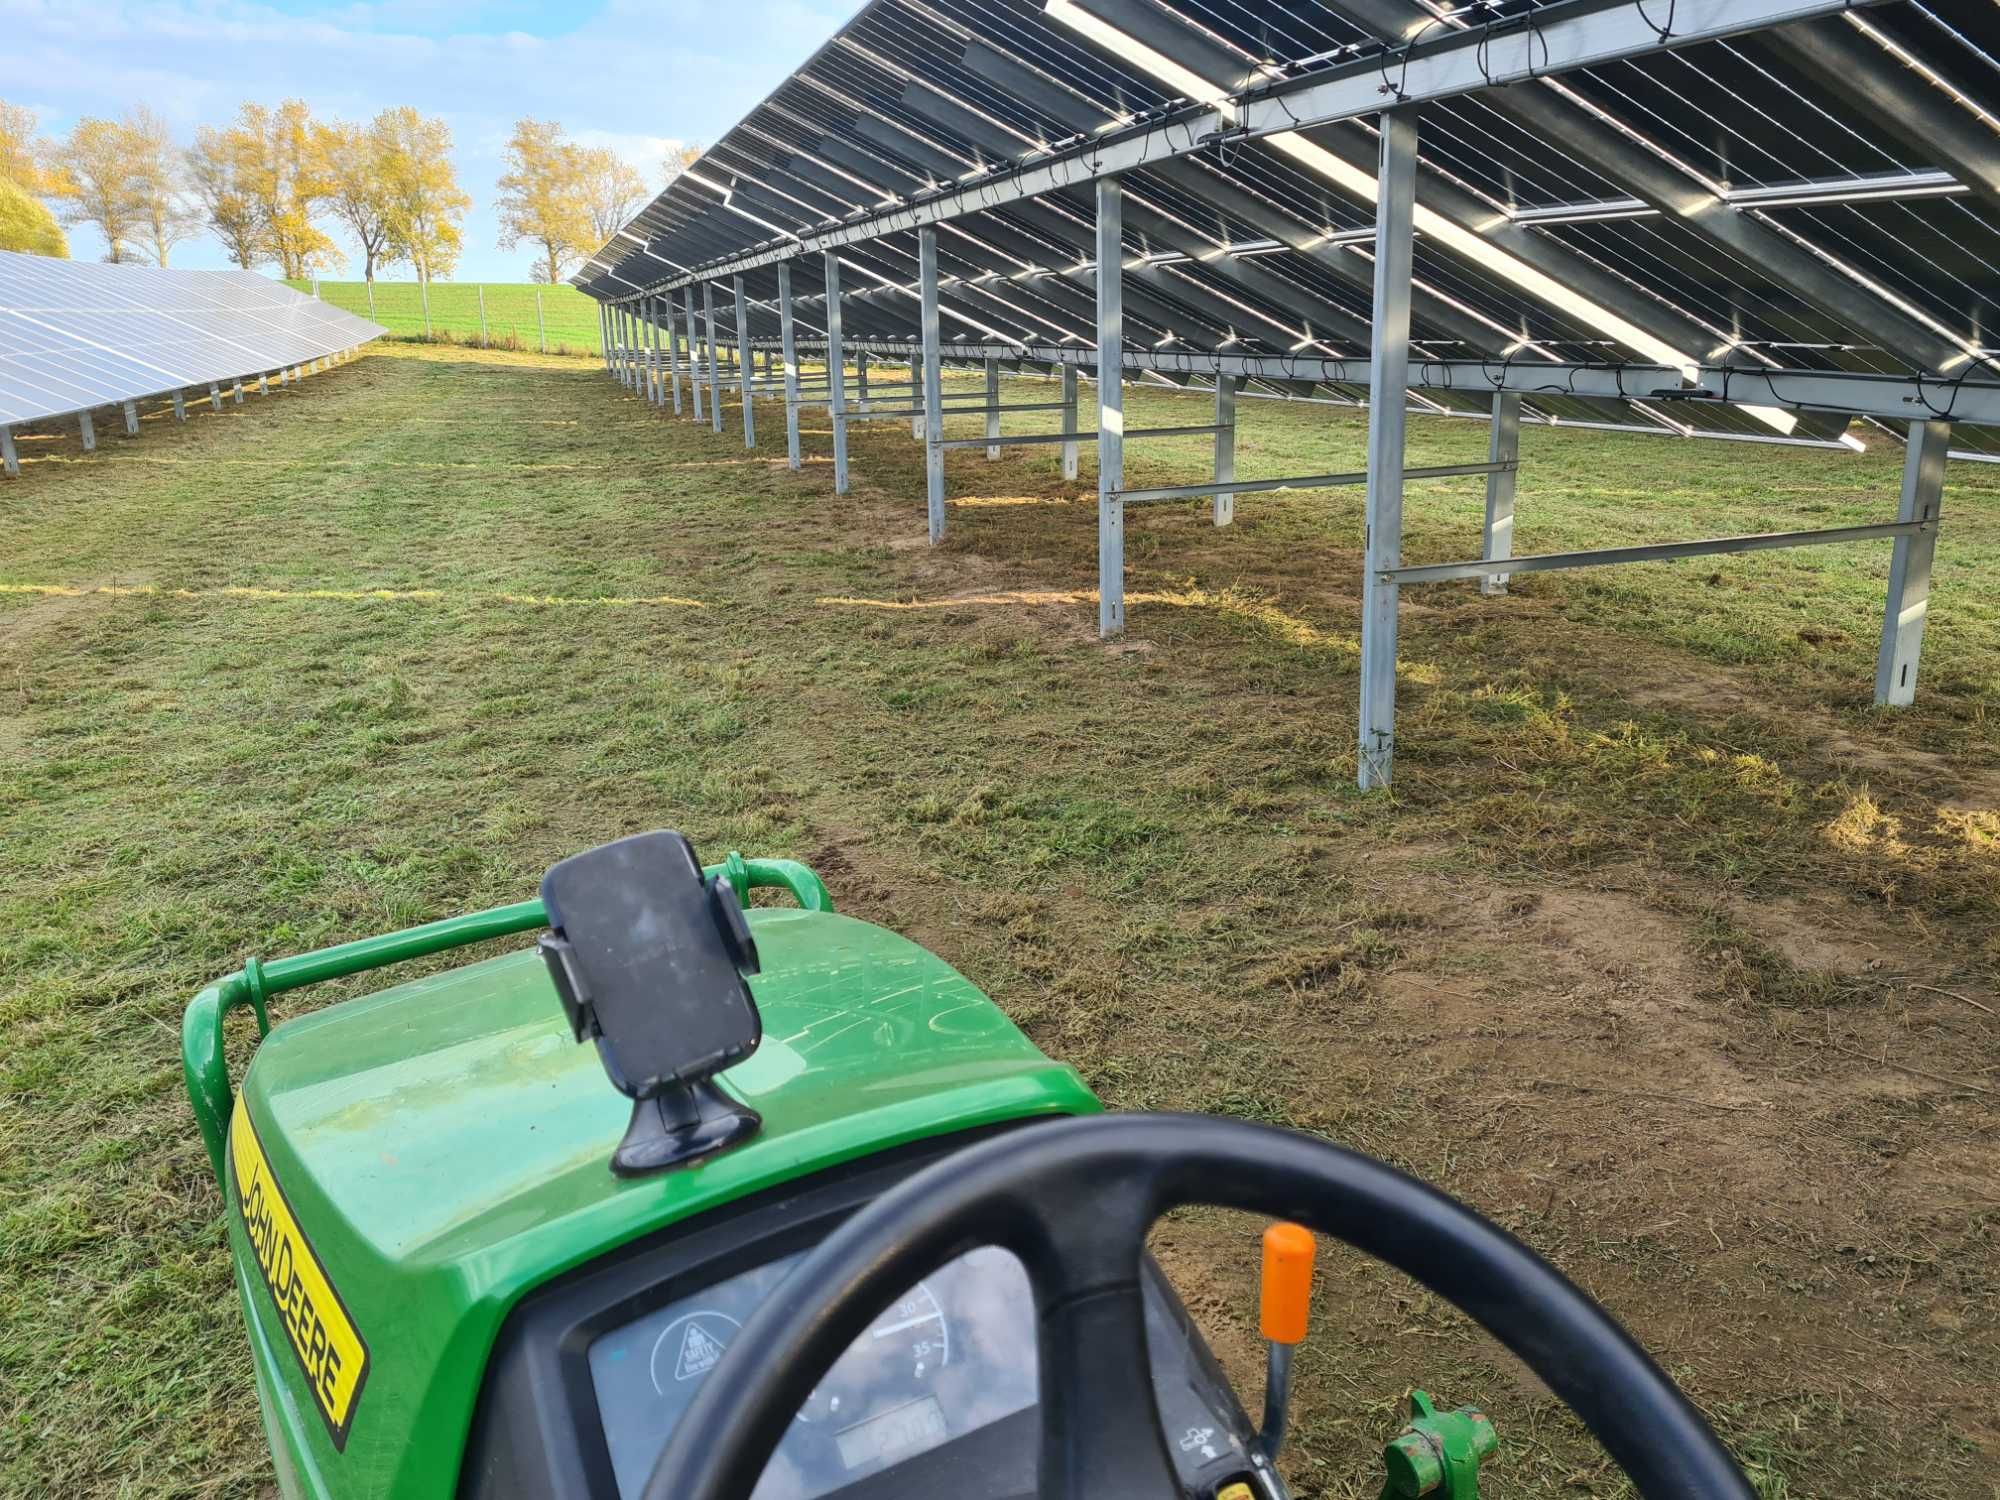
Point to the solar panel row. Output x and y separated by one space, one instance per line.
1817 196
76 335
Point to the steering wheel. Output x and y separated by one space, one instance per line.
1073 1200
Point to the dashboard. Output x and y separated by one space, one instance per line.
937 1398
953 1355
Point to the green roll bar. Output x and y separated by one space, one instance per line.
206 1068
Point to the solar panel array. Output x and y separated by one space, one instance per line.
75 335
1821 196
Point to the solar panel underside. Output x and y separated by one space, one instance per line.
1895 204
76 335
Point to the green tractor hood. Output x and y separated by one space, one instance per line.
416 1160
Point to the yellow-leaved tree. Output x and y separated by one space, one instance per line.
167 212
222 164
613 189
422 203
358 195
545 199
25 158
25 179
264 181
26 223
97 187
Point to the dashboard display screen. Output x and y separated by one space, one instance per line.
954 1354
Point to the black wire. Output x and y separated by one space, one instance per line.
1664 33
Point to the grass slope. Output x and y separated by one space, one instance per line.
1669 951
571 317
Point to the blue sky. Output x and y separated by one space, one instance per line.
639 77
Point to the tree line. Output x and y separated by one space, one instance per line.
276 185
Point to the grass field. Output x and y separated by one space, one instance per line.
571 317
1669 951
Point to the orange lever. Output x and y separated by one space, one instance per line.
1287 1290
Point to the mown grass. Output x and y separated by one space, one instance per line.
1668 950
568 319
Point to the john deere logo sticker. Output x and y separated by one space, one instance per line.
329 1347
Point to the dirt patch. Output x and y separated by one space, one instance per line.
1718 693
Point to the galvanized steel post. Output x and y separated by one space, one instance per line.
1225 447
180 407
861 376
10 461
654 317
694 352
992 402
836 374
714 357
1110 407
1388 381
1503 446
1069 419
933 418
791 354
131 419
215 395
1910 565
673 350
87 430
745 370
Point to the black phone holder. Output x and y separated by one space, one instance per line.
649 962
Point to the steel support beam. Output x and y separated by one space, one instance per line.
933 414
1604 557
1387 419
180 407
1910 566
660 371
603 332
1503 450
744 370
791 356
992 405
673 350
1896 398
131 419
694 353
1110 408
1069 420
714 357
1165 493
215 396
10 460
1882 89
836 370
87 430
1225 447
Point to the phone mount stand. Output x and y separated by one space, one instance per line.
649 961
